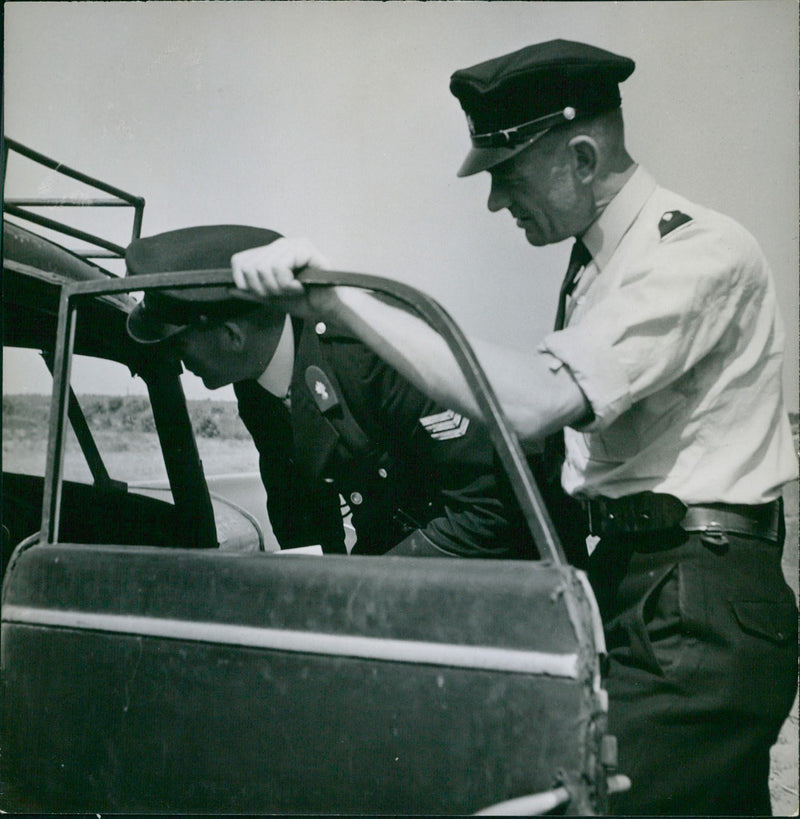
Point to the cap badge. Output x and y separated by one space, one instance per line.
445 425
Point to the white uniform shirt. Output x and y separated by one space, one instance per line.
277 377
678 346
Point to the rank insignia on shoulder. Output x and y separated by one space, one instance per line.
445 425
321 389
670 220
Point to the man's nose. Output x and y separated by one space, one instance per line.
498 199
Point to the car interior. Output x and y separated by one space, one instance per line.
102 510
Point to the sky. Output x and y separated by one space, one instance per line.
333 120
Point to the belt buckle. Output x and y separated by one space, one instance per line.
714 537
712 533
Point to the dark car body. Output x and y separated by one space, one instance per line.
147 668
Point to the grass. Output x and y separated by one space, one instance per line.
123 430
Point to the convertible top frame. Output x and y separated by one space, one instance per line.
119 199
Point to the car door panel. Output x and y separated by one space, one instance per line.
298 684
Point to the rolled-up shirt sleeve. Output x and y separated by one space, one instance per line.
650 326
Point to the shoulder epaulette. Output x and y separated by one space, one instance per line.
670 220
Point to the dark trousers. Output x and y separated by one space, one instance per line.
702 668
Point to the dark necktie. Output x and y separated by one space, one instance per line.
578 259
554 444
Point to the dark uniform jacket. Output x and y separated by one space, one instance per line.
405 466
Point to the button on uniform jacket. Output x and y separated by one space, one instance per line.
406 466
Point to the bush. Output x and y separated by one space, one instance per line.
28 415
217 419
207 428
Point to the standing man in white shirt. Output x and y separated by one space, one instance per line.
664 373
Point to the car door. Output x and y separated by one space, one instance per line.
189 678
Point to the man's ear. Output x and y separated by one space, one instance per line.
234 335
584 152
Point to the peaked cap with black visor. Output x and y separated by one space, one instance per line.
513 100
163 314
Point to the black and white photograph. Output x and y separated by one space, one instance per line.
400 407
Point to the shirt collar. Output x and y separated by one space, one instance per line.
277 377
603 236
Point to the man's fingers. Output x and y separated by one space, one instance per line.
282 280
248 279
270 270
239 278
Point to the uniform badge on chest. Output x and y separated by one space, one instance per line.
321 389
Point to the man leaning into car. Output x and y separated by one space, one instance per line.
328 417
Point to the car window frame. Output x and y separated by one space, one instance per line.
505 440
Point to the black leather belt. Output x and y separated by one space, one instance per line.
653 512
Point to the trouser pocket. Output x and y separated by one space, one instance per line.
647 630
738 610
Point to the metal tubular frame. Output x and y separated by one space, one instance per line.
122 199
59 408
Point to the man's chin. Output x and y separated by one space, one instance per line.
535 238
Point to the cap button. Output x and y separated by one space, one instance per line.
320 328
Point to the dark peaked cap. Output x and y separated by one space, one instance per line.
512 99
163 313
